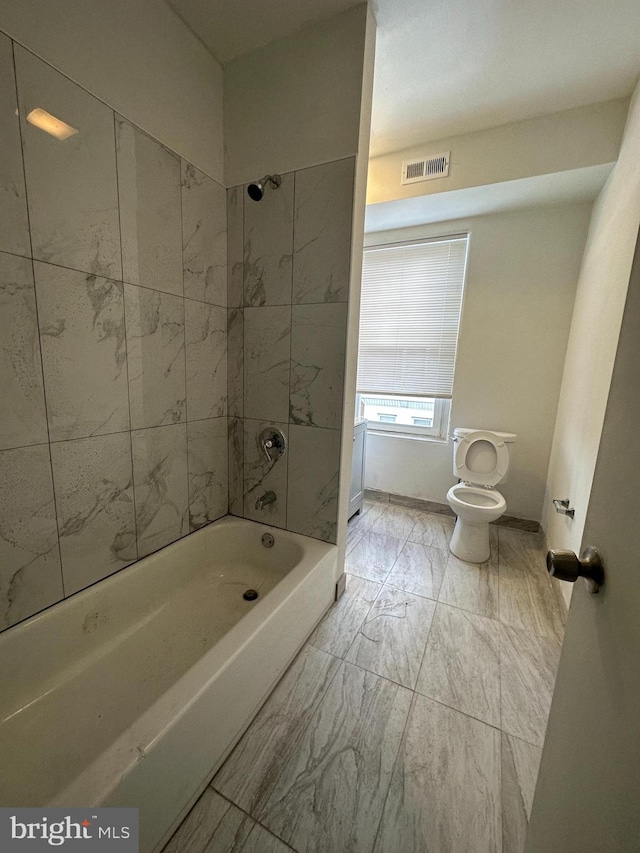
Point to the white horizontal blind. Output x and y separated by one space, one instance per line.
409 317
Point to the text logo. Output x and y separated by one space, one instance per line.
102 830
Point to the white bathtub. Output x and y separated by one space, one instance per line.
133 691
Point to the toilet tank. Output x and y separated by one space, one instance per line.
508 438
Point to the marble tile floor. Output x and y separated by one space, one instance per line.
413 718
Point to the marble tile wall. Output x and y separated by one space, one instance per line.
113 330
287 292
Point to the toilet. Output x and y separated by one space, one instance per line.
480 461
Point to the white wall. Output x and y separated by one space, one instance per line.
139 58
296 102
600 299
573 139
355 284
521 278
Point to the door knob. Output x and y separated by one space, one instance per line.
568 567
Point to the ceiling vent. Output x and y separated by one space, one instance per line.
426 168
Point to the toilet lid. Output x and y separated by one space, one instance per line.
473 474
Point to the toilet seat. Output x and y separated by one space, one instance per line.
485 504
477 478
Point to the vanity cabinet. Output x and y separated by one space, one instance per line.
356 494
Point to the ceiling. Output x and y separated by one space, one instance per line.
571 187
447 67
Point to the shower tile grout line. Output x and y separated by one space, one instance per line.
120 280
239 487
104 434
126 343
187 520
293 244
303 305
35 300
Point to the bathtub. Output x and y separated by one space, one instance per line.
134 691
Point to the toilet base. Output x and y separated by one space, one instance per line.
470 541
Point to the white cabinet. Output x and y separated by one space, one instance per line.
356 495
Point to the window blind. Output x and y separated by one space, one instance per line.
409 317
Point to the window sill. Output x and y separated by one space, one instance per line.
432 439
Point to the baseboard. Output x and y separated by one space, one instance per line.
527 525
510 521
375 495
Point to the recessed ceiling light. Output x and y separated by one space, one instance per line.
50 124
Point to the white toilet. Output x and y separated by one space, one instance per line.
480 461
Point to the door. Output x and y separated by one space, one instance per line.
356 493
588 795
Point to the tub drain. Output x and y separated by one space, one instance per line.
250 595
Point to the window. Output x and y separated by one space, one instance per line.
413 415
410 314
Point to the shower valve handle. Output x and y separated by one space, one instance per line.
273 442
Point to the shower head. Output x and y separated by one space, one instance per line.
256 191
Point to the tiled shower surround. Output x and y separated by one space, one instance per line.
119 417
289 259
113 278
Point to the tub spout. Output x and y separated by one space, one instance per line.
265 500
